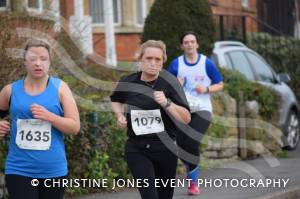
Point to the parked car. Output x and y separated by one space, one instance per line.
236 55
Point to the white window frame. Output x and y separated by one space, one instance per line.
93 23
5 8
245 3
119 10
144 12
118 23
37 10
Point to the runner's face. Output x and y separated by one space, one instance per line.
190 45
152 61
37 62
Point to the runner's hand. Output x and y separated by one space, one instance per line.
181 80
40 112
160 98
200 89
122 122
4 127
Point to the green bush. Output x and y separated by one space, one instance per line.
282 53
96 153
236 83
168 19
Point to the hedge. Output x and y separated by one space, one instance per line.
282 53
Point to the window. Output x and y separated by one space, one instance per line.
3 3
262 70
214 58
35 5
228 61
97 11
245 3
141 12
240 63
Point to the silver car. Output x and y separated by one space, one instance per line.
236 55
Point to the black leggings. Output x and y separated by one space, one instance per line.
151 163
19 187
190 136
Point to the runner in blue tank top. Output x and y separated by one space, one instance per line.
42 109
199 77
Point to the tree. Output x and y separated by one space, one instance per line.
168 19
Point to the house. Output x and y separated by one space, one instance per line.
129 18
85 19
281 15
233 11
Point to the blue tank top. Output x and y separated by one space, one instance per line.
36 163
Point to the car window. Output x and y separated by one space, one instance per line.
262 70
228 61
214 58
240 63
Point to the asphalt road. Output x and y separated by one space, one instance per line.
264 170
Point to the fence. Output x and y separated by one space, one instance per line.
236 27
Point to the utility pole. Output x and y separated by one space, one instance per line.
109 33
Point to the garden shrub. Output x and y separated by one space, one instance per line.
168 19
282 53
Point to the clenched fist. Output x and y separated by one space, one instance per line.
122 122
40 112
160 98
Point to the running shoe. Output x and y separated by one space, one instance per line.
193 189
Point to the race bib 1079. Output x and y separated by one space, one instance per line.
145 122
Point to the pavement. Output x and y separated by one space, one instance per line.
262 178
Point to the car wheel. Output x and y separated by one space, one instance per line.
292 131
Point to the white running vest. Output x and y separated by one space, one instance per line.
194 75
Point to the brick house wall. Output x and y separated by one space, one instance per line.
128 35
235 8
126 45
66 8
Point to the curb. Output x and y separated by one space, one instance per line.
291 193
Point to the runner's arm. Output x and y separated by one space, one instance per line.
4 107
118 109
69 123
180 113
